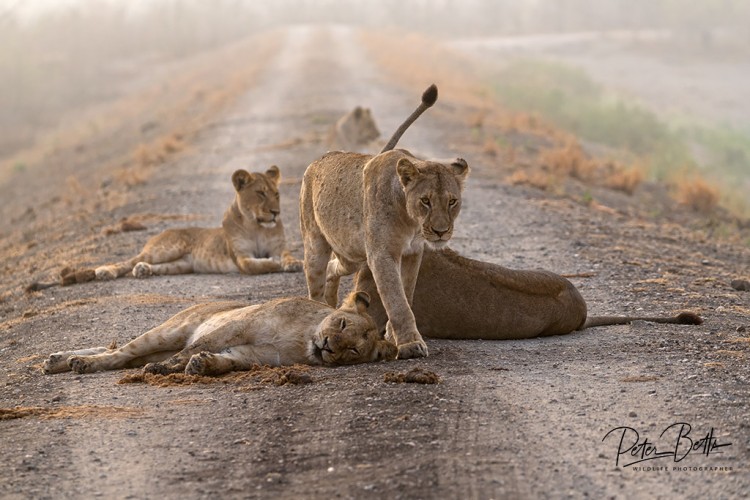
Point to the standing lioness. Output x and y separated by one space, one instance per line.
379 210
250 239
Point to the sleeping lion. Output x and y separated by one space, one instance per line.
219 337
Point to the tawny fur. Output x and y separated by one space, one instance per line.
250 240
460 298
215 338
378 211
353 131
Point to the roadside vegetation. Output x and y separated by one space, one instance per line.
706 165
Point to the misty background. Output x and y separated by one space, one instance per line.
666 79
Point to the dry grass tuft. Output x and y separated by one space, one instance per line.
622 178
568 160
534 178
697 194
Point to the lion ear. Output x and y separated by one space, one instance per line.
358 112
460 169
241 178
385 351
274 174
407 171
357 301
362 300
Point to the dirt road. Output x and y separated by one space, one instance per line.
514 419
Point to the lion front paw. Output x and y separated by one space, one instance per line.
80 364
199 364
416 349
104 273
142 270
55 363
157 369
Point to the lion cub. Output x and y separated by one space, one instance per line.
250 239
379 211
219 337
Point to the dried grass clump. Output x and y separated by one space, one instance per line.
697 194
622 178
157 151
568 160
534 178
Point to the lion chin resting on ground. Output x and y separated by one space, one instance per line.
379 211
353 131
460 298
250 239
215 338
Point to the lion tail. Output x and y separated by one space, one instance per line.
684 318
429 97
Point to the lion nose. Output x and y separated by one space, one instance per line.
439 233
275 212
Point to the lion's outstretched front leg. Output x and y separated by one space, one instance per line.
402 327
58 362
236 358
157 343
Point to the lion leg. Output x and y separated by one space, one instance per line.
210 339
117 270
166 338
251 265
401 327
409 273
183 265
169 246
335 270
58 362
317 255
237 358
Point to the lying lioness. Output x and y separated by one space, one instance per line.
219 337
460 298
250 239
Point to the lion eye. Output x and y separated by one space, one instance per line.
277 195
262 194
452 202
425 201
354 350
343 324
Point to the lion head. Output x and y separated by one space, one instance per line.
433 195
258 195
349 336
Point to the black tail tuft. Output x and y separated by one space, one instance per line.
689 318
430 95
